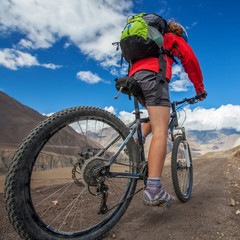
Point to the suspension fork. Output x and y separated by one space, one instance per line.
186 147
173 126
185 144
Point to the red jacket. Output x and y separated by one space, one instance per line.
187 57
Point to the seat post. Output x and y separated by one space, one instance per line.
139 129
136 105
138 118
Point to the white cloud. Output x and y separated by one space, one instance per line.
25 44
128 117
48 114
67 44
180 85
14 59
176 70
110 109
192 25
180 81
88 77
91 25
119 71
51 65
226 116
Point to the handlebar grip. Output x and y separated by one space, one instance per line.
201 95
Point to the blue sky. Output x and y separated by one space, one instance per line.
58 54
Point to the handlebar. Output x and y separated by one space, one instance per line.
192 100
188 100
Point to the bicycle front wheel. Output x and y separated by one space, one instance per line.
47 187
182 169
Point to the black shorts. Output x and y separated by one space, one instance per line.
150 87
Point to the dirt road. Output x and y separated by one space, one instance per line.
207 215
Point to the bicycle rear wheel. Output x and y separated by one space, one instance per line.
182 169
46 189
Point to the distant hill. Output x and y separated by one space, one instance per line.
213 140
233 153
202 142
16 120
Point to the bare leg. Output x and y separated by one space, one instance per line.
154 194
146 128
159 118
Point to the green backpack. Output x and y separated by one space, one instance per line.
143 36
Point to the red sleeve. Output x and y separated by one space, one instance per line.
184 52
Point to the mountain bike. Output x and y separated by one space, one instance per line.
75 174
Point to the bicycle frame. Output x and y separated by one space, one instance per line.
136 124
135 127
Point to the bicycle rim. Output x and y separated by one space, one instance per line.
182 175
60 163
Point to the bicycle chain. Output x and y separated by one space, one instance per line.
139 190
102 188
144 171
78 164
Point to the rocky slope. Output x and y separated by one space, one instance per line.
16 120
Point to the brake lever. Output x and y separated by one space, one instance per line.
193 101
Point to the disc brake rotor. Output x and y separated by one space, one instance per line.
76 172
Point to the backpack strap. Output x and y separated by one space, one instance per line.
161 77
121 63
179 54
169 53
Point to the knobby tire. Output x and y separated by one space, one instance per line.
20 205
182 176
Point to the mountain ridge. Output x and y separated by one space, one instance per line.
17 120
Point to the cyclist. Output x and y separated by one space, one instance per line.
145 72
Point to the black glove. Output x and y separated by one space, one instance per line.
201 96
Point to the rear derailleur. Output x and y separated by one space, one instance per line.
94 172
102 189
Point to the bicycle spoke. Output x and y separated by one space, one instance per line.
54 194
181 174
71 204
59 188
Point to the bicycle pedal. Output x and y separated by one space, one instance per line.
165 204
